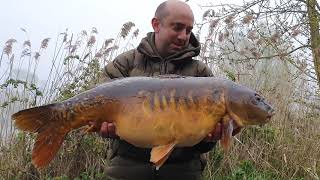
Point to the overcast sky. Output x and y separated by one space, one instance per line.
48 18
44 18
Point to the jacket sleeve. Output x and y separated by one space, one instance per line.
204 70
119 67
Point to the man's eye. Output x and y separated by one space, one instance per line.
178 28
188 31
181 27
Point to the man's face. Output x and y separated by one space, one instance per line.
173 32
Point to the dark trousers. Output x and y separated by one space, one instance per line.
121 168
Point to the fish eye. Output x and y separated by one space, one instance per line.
258 97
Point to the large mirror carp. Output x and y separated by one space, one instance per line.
149 112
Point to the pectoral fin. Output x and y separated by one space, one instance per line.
226 133
160 154
90 128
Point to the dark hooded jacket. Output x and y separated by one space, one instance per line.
145 61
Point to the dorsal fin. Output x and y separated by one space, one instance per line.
170 76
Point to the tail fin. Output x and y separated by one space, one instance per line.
47 144
50 128
33 119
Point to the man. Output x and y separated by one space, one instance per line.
167 50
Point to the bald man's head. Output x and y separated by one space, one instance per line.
172 24
165 8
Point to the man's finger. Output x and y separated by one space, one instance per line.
112 130
104 130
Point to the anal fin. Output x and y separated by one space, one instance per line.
160 154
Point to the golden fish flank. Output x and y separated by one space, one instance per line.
165 123
157 101
164 101
150 112
172 102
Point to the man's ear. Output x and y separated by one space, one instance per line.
155 24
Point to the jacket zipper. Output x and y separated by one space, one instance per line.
162 66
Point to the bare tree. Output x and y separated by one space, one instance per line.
265 29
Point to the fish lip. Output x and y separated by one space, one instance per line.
270 114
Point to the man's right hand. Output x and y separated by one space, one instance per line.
107 130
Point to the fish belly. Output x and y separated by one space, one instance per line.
147 128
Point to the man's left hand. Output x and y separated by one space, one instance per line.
216 134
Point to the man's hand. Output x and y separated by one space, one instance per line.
217 133
107 130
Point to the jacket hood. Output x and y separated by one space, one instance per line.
147 47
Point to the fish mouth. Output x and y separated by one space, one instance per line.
271 113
